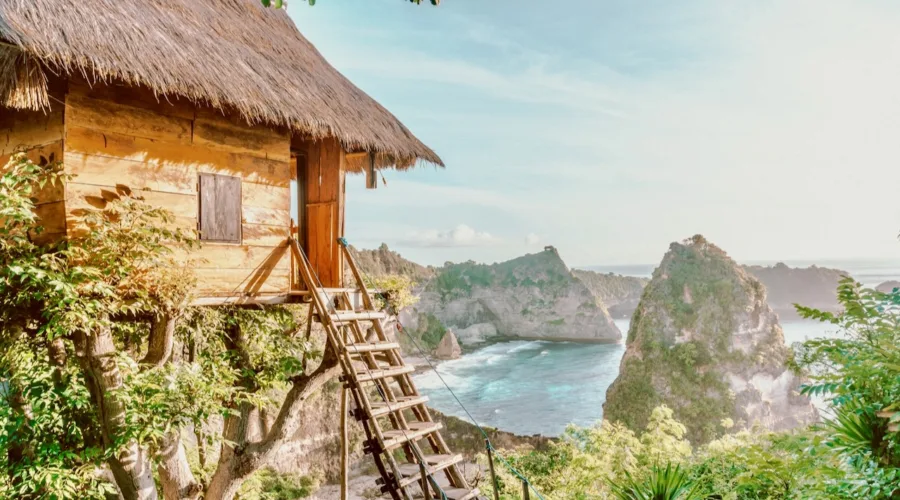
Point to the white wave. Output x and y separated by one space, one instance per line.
524 346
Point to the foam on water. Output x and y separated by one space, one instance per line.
539 387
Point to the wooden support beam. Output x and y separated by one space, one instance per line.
490 452
345 446
371 173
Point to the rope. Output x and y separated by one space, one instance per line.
387 403
490 445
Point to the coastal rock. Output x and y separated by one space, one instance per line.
619 294
888 286
477 333
448 348
705 342
811 286
534 297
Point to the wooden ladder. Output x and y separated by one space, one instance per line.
405 443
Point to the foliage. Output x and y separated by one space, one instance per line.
859 374
669 483
119 265
544 270
267 484
394 291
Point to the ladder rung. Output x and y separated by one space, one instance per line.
403 402
436 463
461 493
398 437
453 494
348 316
369 376
371 347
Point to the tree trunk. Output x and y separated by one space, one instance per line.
162 339
226 482
131 468
238 463
175 474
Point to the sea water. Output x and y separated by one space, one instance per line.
539 387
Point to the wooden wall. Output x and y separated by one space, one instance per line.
119 138
40 135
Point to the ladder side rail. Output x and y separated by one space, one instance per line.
367 298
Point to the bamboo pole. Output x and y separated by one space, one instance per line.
490 452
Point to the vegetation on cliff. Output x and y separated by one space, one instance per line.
618 294
544 270
684 345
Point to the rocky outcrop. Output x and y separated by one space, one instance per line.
383 261
618 294
705 342
448 348
888 286
812 286
534 296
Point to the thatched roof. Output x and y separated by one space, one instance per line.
235 55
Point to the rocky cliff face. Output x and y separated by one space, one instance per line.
618 294
534 296
811 287
383 261
705 342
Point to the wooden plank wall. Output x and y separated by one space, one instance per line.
325 184
120 137
40 135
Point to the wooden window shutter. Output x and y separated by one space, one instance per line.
220 208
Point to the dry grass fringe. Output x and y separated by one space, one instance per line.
234 55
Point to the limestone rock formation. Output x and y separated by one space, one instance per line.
618 294
448 348
534 296
704 342
812 286
888 286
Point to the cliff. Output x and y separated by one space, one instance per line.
618 294
888 286
705 342
811 287
383 261
534 296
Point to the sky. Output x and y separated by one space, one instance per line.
609 129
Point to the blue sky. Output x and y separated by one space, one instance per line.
609 129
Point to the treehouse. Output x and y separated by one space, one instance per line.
220 111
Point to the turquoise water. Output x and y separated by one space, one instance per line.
538 387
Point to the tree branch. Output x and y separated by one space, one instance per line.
161 341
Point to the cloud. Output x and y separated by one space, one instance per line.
532 239
460 236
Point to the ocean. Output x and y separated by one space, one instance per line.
539 387
869 272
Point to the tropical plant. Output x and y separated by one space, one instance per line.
859 374
669 483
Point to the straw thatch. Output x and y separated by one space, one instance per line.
235 55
